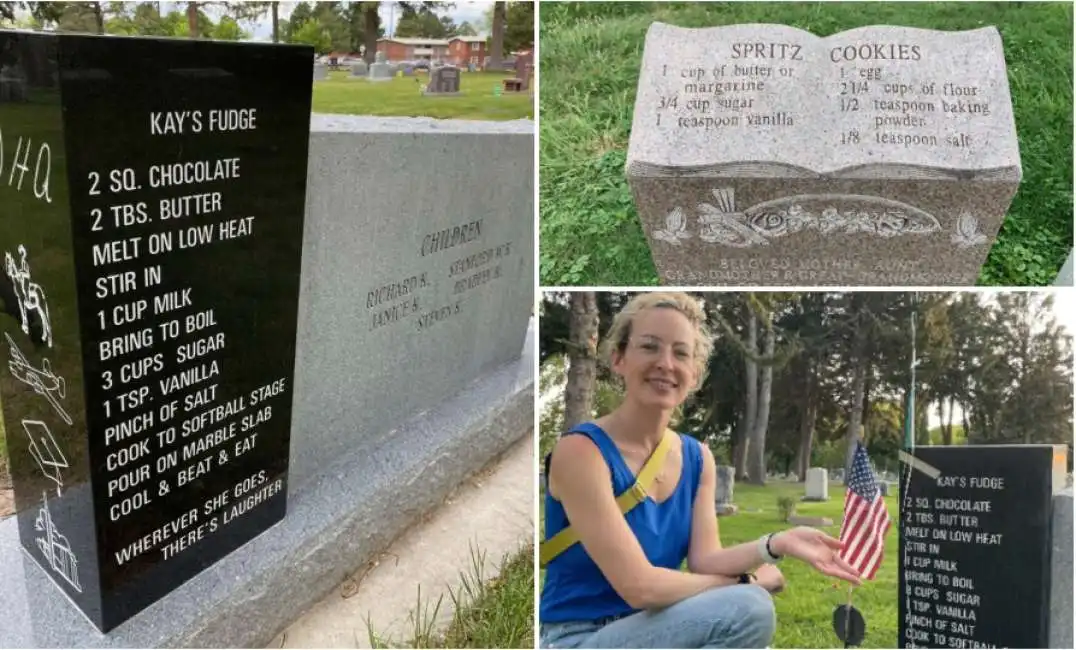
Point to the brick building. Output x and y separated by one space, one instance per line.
458 50
464 50
413 49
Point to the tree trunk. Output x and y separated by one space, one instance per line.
496 46
756 452
809 414
739 452
192 19
855 418
276 21
582 359
750 399
370 34
98 18
947 431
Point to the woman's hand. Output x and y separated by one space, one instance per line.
817 549
770 578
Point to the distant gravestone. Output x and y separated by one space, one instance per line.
444 80
358 69
149 346
817 487
764 155
379 70
976 548
726 482
321 72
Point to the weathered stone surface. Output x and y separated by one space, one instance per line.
321 72
762 154
817 485
1064 276
427 278
359 69
1061 572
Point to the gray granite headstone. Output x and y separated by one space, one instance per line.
444 80
1064 277
879 156
379 70
726 483
321 72
817 487
358 69
1061 570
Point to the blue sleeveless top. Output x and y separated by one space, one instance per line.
575 588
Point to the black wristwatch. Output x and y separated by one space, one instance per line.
747 578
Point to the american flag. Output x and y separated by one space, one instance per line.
866 519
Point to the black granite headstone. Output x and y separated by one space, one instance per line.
153 194
974 559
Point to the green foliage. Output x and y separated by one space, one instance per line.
590 233
312 33
786 506
228 30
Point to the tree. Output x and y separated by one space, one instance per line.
583 356
313 34
496 48
519 30
228 30
466 29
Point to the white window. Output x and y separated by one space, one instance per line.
475 47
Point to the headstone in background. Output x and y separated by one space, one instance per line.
726 483
379 70
879 156
525 69
817 485
358 69
977 566
321 72
838 475
152 247
444 80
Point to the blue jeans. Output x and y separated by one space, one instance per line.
739 616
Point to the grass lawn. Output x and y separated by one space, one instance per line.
487 613
590 58
805 607
401 97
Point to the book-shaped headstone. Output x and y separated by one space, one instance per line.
765 155
153 196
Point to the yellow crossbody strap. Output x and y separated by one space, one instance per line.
630 498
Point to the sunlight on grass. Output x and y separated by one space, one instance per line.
402 97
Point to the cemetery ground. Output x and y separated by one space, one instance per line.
805 607
590 234
401 97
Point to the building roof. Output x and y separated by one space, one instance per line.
415 41
433 41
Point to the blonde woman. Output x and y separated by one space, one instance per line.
620 585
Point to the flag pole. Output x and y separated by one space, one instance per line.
848 618
909 417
